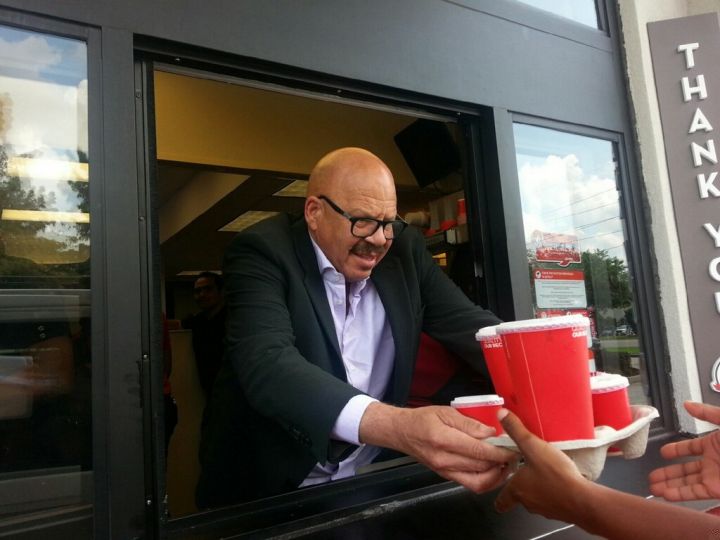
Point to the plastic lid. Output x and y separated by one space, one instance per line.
549 323
474 401
607 382
487 332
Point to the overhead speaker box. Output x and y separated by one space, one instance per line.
429 150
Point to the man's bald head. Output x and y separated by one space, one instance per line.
350 183
346 167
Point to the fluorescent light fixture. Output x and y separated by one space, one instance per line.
9 214
298 188
196 272
243 221
47 169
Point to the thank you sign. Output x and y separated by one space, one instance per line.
686 61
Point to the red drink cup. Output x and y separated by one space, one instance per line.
494 353
547 360
482 408
611 405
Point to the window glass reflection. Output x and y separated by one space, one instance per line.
576 243
582 11
45 418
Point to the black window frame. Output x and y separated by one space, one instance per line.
342 497
637 246
81 520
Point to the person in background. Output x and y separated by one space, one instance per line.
208 328
324 319
549 484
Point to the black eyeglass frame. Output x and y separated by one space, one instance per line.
394 223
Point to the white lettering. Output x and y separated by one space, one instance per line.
713 269
717 301
688 90
707 152
707 185
699 121
715 233
688 49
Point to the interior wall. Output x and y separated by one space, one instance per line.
210 122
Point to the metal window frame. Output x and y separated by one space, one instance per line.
353 493
637 247
96 516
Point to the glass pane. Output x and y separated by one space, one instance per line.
576 243
582 11
45 363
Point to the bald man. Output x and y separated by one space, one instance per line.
324 319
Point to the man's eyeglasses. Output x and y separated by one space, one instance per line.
362 227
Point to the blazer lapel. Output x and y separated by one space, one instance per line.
316 291
392 288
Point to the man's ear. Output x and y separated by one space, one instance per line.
312 212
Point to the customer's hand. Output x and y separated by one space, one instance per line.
441 438
548 483
696 479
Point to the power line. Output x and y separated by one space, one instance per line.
580 200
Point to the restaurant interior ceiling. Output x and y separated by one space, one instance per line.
227 150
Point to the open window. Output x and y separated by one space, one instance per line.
232 152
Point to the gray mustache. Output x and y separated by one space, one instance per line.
363 248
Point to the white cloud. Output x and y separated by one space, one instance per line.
44 114
559 197
33 54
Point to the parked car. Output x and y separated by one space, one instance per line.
624 330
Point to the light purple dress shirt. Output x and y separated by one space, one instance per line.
368 352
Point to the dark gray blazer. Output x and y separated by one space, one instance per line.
283 383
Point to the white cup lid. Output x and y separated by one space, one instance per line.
607 382
548 323
475 401
486 332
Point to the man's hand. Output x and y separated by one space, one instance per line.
692 480
547 484
442 439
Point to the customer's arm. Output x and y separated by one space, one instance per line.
549 484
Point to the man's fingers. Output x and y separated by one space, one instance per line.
479 482
468 425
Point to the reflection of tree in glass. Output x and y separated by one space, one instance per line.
610 273
607 281
21 271
82 191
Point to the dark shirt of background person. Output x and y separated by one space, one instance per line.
208 328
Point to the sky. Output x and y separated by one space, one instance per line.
568 186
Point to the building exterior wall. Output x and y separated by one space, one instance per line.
634 15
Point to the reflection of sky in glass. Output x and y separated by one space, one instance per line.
29 55
582 11
43 134
568 186
43 93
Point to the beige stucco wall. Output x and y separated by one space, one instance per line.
634 16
